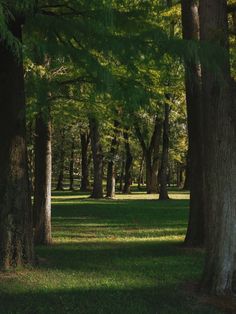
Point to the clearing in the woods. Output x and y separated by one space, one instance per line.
111 256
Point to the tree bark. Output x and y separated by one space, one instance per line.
164 158
85 140
61 162
219 121
195 232
128 165
72 164
186 186
140 176
43 179
111 171
97 158
16 226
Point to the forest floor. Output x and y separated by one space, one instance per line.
111 256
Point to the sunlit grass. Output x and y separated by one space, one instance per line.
110 256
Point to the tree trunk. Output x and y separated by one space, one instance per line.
97 158
219 127
195 232
140 176
186 186
72 163
122 172
61 162
85 139
43 173
128 165
111 171
164 159
16 229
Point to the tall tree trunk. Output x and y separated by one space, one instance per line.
16 226
72 164
85 139
187 173
128 165
219 127
43 178
122 172
59 186
195 233
140 176
97 158
111 171
164 159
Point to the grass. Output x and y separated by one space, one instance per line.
110 256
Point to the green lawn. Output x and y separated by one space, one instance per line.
110 256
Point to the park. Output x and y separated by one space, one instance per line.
117 157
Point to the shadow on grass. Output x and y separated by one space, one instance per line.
103 300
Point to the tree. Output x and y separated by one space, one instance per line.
190 21
43 170
219 149
16 229
128 164
97 158
111 170
164 158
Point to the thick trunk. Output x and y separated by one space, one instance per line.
128 165
85 139
72 163
164 158
219 152
195 232
16 229
111 171
43 172
187 174
97 158
59 186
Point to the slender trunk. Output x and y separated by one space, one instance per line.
140 176
43 171
16 229
195 233
219 152
128 165
122 172
85 139
97 158
72 163
164 159
111 171
61 162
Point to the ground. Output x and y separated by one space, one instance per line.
111 256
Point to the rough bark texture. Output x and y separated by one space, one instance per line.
195 232
128 165
97 158
43 179
72 164
16 226
219 151
187 175
59 186
164 158
85 140
111 168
